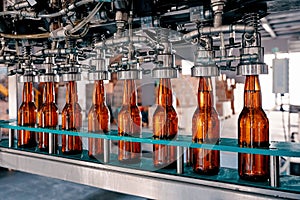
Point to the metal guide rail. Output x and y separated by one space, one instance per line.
144 179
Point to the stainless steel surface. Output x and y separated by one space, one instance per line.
48 78
106 157
274 171
70 77
150 184
205 71
252 69
99 75
130 74
165 72
52 142
180 161
11 137
28 78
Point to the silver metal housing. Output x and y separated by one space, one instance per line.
252 69
48 78
210 70
130 74
99 75
164 72
72 73
28 78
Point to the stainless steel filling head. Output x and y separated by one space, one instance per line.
99 75
252 69
70 77
48 78
210 70
132 74
28 78
164 72
70 72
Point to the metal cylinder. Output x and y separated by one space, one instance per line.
52 142
274 171
11 135
180 160
106 156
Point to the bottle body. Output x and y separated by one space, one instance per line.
98 121
165 126
205 129
71 121
253 132
27 113
129 124
48 117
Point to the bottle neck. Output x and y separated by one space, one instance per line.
252 93
129 96
49 92
164 95
71 94
27 92
205 95
99 93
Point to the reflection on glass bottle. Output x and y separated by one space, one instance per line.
98 120
71 120
27 117
165 126
206 129
253 132
47 116
129 124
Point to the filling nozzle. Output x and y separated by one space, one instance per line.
251 46
71 71
204 59
49 74
129 69
99 67
165 60
29 73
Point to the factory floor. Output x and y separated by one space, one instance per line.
18 185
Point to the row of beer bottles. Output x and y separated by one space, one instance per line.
47 117
252 125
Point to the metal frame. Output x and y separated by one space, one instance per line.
131 181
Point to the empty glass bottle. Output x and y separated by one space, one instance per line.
47 116
27 117
206 129
71 120
129 124
165 126
253 132
98 120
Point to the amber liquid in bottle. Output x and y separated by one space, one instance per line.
98 120
71 121
253 132
129 124
47 116
27 117
205 129
165 126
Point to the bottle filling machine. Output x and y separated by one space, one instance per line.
57 41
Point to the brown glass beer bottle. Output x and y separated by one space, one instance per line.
98 120
253 132
71 120
129 124
205 129
27 117
47 116
165 126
